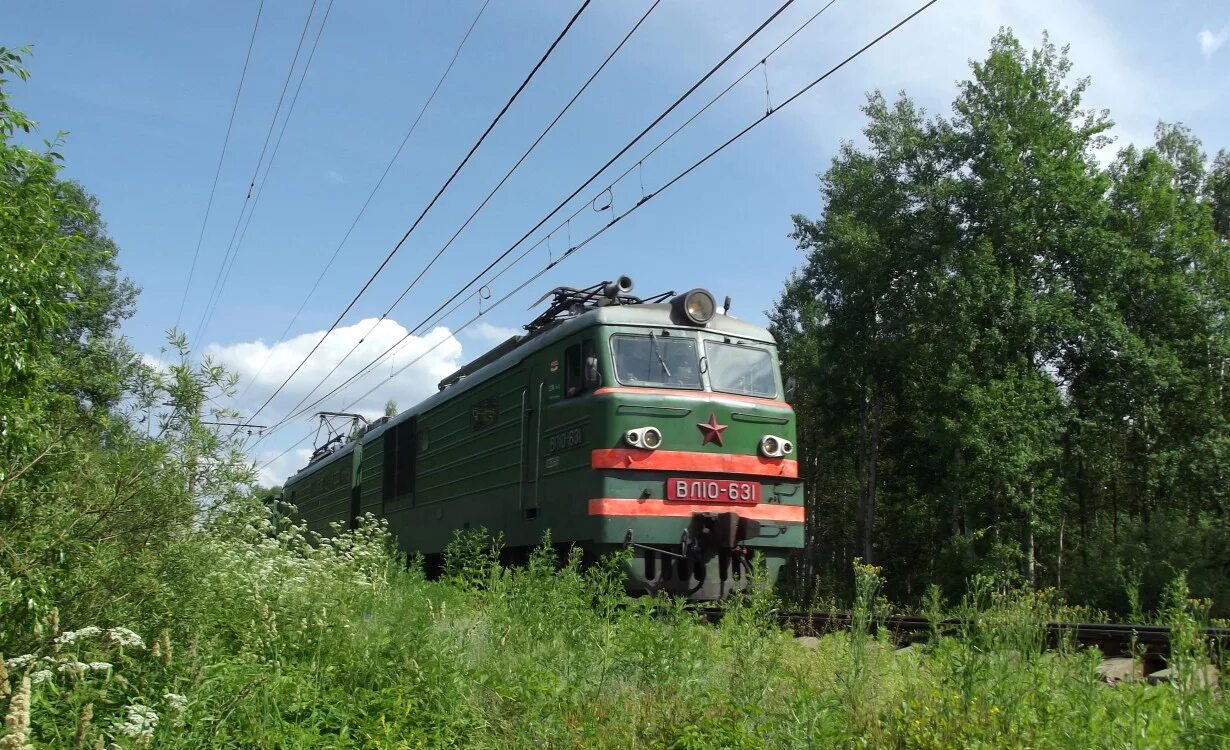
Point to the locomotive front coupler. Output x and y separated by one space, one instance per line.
708 533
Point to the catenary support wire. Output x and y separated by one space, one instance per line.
483 203
426 209
230 123
664 187
216 291
607 192
371 193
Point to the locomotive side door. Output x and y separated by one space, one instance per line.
531 442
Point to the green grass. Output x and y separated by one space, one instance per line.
278 644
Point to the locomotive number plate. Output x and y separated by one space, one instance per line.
712 491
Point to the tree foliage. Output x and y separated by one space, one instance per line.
1014 358
105 465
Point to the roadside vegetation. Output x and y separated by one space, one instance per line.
151 596
277 642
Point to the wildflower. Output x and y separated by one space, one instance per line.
4 678
178 705
165 643
73 667
100 666
125 637
17 721
41 676
20 662
83 724
139 722
69 636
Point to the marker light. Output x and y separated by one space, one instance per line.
644 437
651 438
775 447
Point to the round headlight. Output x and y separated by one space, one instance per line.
651 437
770 446
633 437
699 306
787 446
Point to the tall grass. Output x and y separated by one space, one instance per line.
282 640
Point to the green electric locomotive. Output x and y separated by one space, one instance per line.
615 421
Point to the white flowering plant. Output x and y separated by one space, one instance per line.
88 684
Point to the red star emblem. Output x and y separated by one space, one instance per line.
712 430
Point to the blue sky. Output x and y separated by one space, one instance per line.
145 88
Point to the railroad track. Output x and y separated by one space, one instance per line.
1112 639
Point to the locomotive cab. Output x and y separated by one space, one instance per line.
614 422
717 481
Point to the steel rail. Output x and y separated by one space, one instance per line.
1112 639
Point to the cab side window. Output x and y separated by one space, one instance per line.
581 371
573 381
590 374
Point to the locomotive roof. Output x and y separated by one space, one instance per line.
643 315
649 316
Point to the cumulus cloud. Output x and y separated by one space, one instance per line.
1211 41
491 334
426 359
280 465
153 362
408 376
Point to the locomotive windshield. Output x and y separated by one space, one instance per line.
655 360
740 369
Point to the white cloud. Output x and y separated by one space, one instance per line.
427 359
153 362
1210 42
491 334
927 57
281 465
942 45
335 176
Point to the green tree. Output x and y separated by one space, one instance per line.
1006 351
1218 192
105 463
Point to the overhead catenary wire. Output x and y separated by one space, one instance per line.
372 193
354 300
293 411
639 162
230 123
635 207
216 290
683 97
482 204
273 155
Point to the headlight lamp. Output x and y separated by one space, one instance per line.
696 307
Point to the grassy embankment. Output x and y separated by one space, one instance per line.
276 644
